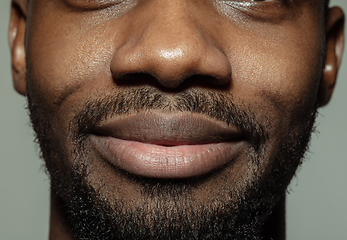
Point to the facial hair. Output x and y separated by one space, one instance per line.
171 211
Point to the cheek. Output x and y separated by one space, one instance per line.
282 69
71 57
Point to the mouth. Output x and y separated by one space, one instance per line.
159 145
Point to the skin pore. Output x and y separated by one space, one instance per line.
256 69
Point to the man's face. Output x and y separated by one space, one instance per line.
157 118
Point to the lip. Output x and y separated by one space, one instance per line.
159 145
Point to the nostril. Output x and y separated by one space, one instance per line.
135 79
208 81
196 80
143 78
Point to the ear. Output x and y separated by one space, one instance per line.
16 39
334 29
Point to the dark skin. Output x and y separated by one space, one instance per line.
267 54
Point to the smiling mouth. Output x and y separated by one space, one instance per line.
157 145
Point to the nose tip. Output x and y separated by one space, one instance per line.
171 51
176 65
173 66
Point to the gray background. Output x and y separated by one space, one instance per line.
316 203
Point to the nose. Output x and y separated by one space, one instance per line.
170 42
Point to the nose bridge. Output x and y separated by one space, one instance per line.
169 45
171 20
173 39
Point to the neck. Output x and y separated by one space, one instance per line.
274 227
58 227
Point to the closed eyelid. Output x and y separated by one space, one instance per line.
270 11
92 4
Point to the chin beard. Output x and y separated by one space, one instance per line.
175 216
171 211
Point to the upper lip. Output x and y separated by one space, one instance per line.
168 129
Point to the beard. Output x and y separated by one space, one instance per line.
171 208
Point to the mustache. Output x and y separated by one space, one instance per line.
216 105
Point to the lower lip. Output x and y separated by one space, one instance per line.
156 161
